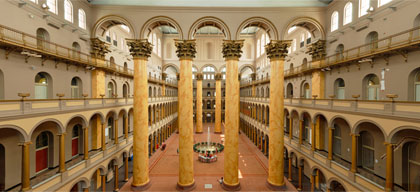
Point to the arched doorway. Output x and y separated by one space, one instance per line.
43 151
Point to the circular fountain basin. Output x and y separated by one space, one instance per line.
203 147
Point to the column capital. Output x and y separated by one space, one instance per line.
354 134
232 49
388 143
62 134
199 76
140 48
164 76
317 50
277 49
218 76
253 76
185 49
25 143
99 48
84 128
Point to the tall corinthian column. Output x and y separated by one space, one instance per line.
186 52
218 123
231 52
276 52
199 106
140 49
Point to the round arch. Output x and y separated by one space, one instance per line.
23 133
331 122
100 115
84 180
334 179
123 111
165 66
305 112
252 67
208 65
113 113
61 128
319 114
102 170
398 129
305 22
355 128
262 22
209 21
109 21
154 22
84 120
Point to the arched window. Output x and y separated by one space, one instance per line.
82 19
77 129
308 37
363 7
267 92
209 46
383 2
302 40
154 43
76 88
43 37
305 63
150 92
334 21
417 86
1 85
336 140
339 86
306 91
43 86
111 90
68 11
289 91
339 51
109 131
159 48
76 50
368 150
348 13
52 6
372 87
372 39
125 66
42 151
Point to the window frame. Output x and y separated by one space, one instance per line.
82 18
68 11
334 21
348 13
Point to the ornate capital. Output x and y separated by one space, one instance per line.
164 76
185 49
140 48
99 48
277 49
232 49
199 76
178 77
218 76
253 76
317 50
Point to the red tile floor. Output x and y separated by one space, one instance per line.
253 167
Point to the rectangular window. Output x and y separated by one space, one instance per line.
52 6
383 2
363 7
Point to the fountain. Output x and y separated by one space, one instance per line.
207 148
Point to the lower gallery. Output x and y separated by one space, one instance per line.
258 95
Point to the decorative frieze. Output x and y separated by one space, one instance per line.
277 49
199 76
185 49
99 48
317 50
232 49
140 48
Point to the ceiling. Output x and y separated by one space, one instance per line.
215 3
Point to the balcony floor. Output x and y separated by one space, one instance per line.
253 167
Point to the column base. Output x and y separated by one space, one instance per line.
125 180
199 132
276 187
190 187
228 187
219 132
289 179
143 187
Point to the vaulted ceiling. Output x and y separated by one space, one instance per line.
215 3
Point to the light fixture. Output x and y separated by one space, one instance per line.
44 6
371 9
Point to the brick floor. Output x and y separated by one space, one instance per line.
253 167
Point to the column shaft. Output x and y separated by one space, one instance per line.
103 137
126 168
313 137
62 160
389 183
218 123
103 183
116 131
300 178
141 128
290 169
85 143
290 128
116 188
126 127
26 183
330 143
301 131
353 153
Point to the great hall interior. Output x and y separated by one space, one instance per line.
196 95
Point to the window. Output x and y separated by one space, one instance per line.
109 134
114 39
110 90
339 86
348 13
75 140
383 2
413 168
68 11
125 91
42 86
291 29
76 50
368 150
417 86
302 40
339 52
306 91
43 37
159 48
336 140
363 7
294 45
372 39
258 48
82 19
262 44
372 87
334 21
42 151
76 88
308 37
125 27
154 43
52 6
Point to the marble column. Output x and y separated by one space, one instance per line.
186 52
85 143
232 51
330 143
354 153
276 52
25 178
389 182
62 160
116 187
140 49
218 122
